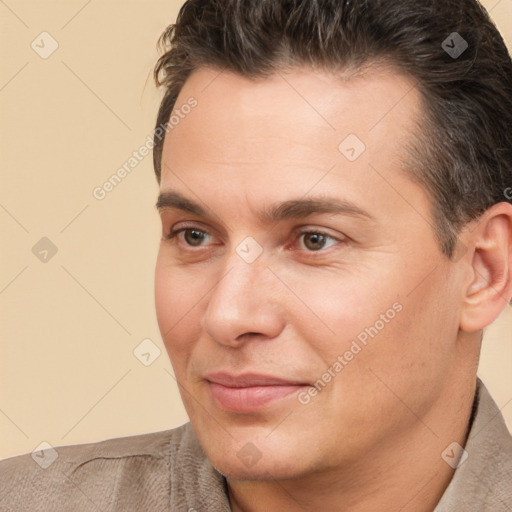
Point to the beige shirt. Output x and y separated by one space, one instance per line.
168 471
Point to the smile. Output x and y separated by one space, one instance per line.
252 398
248 393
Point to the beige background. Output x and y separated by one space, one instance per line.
69 326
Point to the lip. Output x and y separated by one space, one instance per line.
246 380
249 392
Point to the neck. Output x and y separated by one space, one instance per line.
407 474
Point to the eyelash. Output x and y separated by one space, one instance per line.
174 234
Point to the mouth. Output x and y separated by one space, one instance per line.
249 392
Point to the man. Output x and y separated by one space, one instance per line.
336 234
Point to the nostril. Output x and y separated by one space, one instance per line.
248 335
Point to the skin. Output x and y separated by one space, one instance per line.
372 438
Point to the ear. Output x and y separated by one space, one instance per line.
490 287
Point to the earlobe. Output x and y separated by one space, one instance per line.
491 265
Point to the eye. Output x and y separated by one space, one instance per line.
309 241
316 240
190 236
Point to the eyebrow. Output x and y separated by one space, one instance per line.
290 209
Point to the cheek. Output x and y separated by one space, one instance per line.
412 354
177 304
373 321
165 297
342 307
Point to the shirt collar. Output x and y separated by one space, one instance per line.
483 481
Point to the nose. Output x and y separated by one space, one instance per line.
245 304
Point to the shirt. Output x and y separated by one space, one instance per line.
168 471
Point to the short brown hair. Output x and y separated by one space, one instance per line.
463 155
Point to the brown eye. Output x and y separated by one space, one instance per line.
193 237
314 241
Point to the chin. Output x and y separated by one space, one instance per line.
236 473
272 467
251 453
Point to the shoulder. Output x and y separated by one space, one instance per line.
483 481
154 445
98 473
490 444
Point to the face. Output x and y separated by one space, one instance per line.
299 286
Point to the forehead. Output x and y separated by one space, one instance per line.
288 131
300 105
